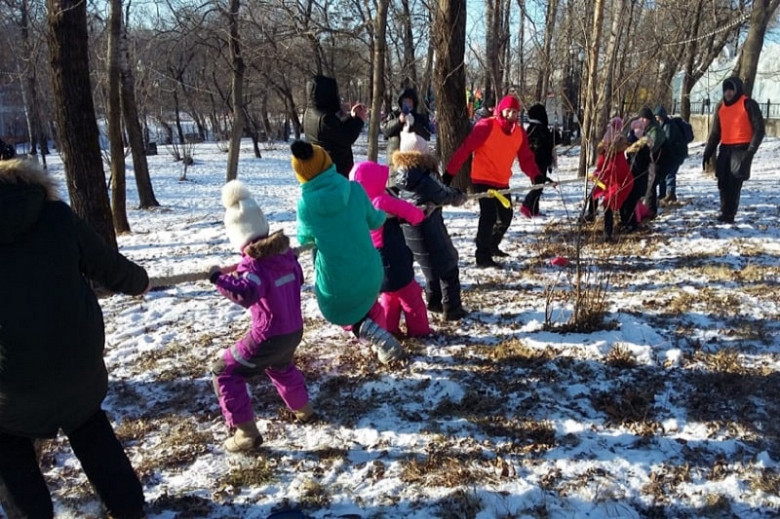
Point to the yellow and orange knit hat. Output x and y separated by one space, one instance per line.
308 160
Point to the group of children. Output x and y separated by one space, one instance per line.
364 240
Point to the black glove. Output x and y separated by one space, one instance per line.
704 162
549 170
538 179
214 273
462 197
750 152
447 179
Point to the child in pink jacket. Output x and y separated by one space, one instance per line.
400 292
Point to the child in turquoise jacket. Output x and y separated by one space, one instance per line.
337 217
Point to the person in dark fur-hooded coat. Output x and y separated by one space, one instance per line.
52 374
417 178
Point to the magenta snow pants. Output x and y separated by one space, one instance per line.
248 358
409 299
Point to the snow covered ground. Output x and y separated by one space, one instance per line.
665 406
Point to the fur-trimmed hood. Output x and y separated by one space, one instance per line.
414 159
24 187
275 243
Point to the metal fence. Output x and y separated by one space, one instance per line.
770 110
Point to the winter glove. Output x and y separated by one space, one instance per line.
538 179
704 163
750 152
462 197
214 273
447 178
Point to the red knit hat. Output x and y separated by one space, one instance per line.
508 101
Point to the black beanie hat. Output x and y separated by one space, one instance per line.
646 113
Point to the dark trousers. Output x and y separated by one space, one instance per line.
443 288
729 185
494 220
654 176
101 456
532 198
627 213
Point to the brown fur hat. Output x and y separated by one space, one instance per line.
274 243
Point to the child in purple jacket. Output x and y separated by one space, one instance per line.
267 281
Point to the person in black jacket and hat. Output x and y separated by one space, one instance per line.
326 125
52 375
542 143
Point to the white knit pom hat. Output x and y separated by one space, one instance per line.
244 220
410 141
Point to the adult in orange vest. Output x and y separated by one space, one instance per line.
495 142
739 128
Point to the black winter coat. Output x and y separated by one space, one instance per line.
324 123
392 125
52 373
417 178
540 138
396 257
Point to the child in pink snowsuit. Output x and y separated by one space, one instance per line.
400 292
267 281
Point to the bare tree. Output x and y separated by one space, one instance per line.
75 113
590 112
449 78
143 182
114 116
237 94
760 16
380 47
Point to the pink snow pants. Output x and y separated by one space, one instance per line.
408 300
248 358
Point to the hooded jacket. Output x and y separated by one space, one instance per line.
389 239
52 374
540 138
392 125
675 149
337 216
742 111
325 125
495 143
418 180
268 282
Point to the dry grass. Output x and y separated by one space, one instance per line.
257 472
620 357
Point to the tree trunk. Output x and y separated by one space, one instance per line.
237 91
492 86
409 65
380 49
543 83
760 16
587 129
114 116
29 86
75 113
606 104
449 79
143 181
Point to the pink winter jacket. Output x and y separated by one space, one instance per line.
373 177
